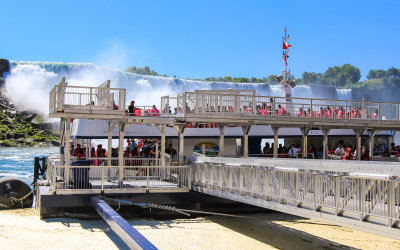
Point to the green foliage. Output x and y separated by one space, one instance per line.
340 76
7 143
373 73
271 79
142 71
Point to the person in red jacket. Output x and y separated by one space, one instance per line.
349 155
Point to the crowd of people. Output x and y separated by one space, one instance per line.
135 149
136 111
344 152
265 108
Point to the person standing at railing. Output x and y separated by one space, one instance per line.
300 113
100 153
375 114
131 108
349 155
291 152
339 150
78 152
340 113
154 111
171 151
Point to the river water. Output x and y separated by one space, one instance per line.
18 162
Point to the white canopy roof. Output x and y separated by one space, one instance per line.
98 129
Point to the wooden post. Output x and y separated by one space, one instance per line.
181 128
109 143
371 134
358 133
304 133
275 130
162 130
325 132
246 130
121 152
221 139
67 149
62 141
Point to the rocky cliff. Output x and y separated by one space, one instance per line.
20 127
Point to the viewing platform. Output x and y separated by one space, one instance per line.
229 107
362 195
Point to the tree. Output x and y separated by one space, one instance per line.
312 77
393 73
340 76
271 79
142 71
376 73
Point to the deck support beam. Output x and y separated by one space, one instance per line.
221 127
371 134
162 130
275 130
325 132
246 130
62 141
109 143
67 149
181 145
121 151
304 133
358 133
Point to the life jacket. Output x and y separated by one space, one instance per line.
138 112
230 108
249 109
353 114
282 111
349 155
155 112
300 114
264 112
340 114
374 115
101 152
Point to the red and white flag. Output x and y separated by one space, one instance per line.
286 45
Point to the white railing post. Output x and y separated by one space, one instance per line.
54 172
147 178
102 178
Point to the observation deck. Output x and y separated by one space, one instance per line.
228 107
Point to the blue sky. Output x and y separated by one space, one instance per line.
197 39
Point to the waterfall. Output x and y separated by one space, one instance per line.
344 94
29 84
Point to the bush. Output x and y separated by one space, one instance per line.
8 143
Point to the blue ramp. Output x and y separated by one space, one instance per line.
120 226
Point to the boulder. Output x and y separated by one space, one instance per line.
4 66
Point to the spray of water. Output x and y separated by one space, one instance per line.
29 84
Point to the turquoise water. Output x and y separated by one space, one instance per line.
18 162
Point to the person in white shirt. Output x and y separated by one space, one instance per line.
339 150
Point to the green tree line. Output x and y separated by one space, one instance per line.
345 76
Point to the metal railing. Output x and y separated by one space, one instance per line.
138 175
86 99
237 102
356 191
